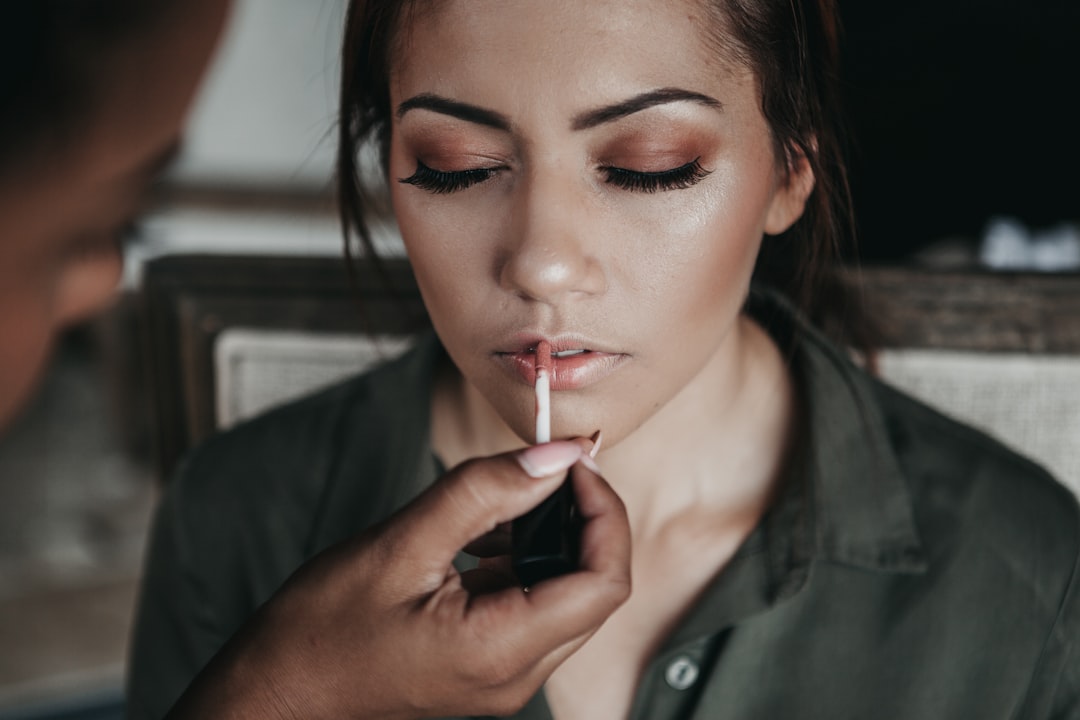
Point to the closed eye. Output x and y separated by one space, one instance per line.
442 182
678 178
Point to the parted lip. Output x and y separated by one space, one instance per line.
569 372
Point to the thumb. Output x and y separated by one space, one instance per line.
475 497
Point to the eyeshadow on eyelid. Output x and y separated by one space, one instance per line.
453 149
651 159
450 163
657 153
658 142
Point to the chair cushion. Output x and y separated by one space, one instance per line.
1028 402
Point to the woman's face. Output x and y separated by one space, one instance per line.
61 213
590 173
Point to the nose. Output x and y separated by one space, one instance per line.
552 256
87 285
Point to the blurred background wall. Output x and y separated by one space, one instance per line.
960 112
265 118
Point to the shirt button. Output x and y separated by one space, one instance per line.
681 673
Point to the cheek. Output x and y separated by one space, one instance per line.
35 306
427 248
698 252
450 243
25 339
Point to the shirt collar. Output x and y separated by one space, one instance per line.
844 501
861 507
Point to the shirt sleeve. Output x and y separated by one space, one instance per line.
1055 692
1066 703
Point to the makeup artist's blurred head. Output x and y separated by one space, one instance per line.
93 94
600 173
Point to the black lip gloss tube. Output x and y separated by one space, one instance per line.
546 540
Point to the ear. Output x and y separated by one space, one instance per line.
794 185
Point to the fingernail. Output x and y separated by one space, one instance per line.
541 461
597 438
588 462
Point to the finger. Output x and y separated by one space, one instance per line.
561 610
500 540
496 542
476 496
586 444
545 666
482 580
605 536
605 548
501 564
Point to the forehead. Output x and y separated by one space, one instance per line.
559 48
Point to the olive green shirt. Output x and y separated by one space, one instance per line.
911 568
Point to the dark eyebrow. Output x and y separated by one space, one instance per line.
464 111
646 100
584 121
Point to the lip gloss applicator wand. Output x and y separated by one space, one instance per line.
545 541
543 392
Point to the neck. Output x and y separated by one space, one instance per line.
719 446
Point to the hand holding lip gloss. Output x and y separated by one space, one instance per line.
416 616
546 540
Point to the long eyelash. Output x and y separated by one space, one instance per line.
441 182
678 178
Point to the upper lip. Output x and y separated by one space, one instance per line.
558 344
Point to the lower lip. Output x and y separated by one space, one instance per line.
567 373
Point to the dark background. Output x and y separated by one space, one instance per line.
960 111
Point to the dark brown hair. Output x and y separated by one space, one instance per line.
54 54
791 46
